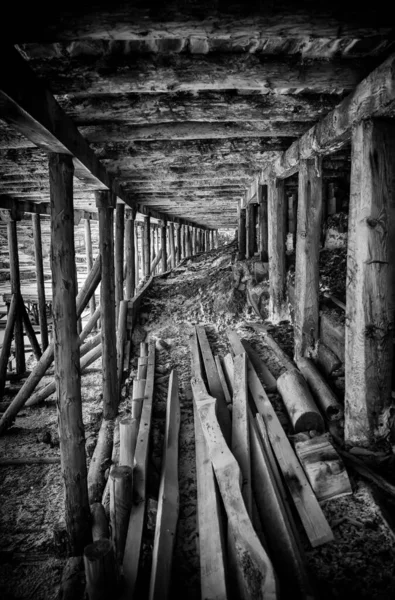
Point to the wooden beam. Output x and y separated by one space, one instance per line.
37 208
276 245
66 346
306 321
119 243
370 284
16 289
242 233
105 203
263 223
130 255
163 234
146 247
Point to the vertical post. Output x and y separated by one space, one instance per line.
251 231
216 238
130 254
370 284
171 245
307 258
291 218
105 202
147 246
163 245
193 240
152 242
207 240
242 234
158 242
137 252
119 243
89 260
278 309
66 347
178 242
16 289
263 226
188 240
38 255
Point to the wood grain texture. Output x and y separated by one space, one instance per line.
278 309
240 429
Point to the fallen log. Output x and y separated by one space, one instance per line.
324 397
6 348
284 359
168 500
327 360
255 574
333 335
239 346
302 411
100 461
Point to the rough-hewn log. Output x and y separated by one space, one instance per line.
242 233
302 410
6 347
100 461
263 223
105 203
38 256
370 284
130 255
326 359
171 245
99 522
100 569
146 247
128 431
89 260
307 258
29 330
66 348
178 244
278 309
163 232
119 243
16 289
325 398
121 498
121 340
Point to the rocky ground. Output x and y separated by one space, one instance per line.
210 290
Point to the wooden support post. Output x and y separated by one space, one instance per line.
68 379
100 570
193 240
306 324
121 498
189 241
146 246
158 246
38 256
178 243
137 253
119 242
105 203
163 232
89 260
171 245
6 347
207 236
292 218
242 234
130 255
370 284
29 330
16 289
263 225
278 309
152 241
216 238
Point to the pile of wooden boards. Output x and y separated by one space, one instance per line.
244 457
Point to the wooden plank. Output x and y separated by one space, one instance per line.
214 383
240 431
136 521
168 499
310 512
255 574
278 309
370 285
307 258
239 346
228 371
221 375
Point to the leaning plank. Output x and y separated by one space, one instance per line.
168 501
5 351
239 346
240 432
136 521
214 383
211 538
100 461
255 572
310 512
222 379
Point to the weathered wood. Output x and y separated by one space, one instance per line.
130 257
335 300
324 397
121 340
168 500
146 247
178 243
72 586
370 284
242 234
105 205
326 359
89 260
359 466
240 432
301 408
100 570
29 330
278 309
99 522
100 461
221 375
255 574
263 223
138 397
260 368
284 359
228 371
251 241
128 430
324 468
121 498
333 334
119 244
16 289
307 258
136 521
214 383
6 347
38 257
163 232
171 245
66 352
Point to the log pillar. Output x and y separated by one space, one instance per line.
193 241
171 245
146 246
306 324
278 307
16 289
119 244
242 234
292 218
262 223
188 241
251 231
158 245
178 243
216 238
138 252
370 284
130 254
163 231
89 260
105 202
152 242
67 354
38 255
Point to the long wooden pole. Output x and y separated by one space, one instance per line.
89 260
178 243
146 247
242 234
171 245
130 255
105 203
137 253
38 255
263 225
119 242
278 309
16 289
6 347
68 379
163 245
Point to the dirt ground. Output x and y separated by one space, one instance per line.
360 562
